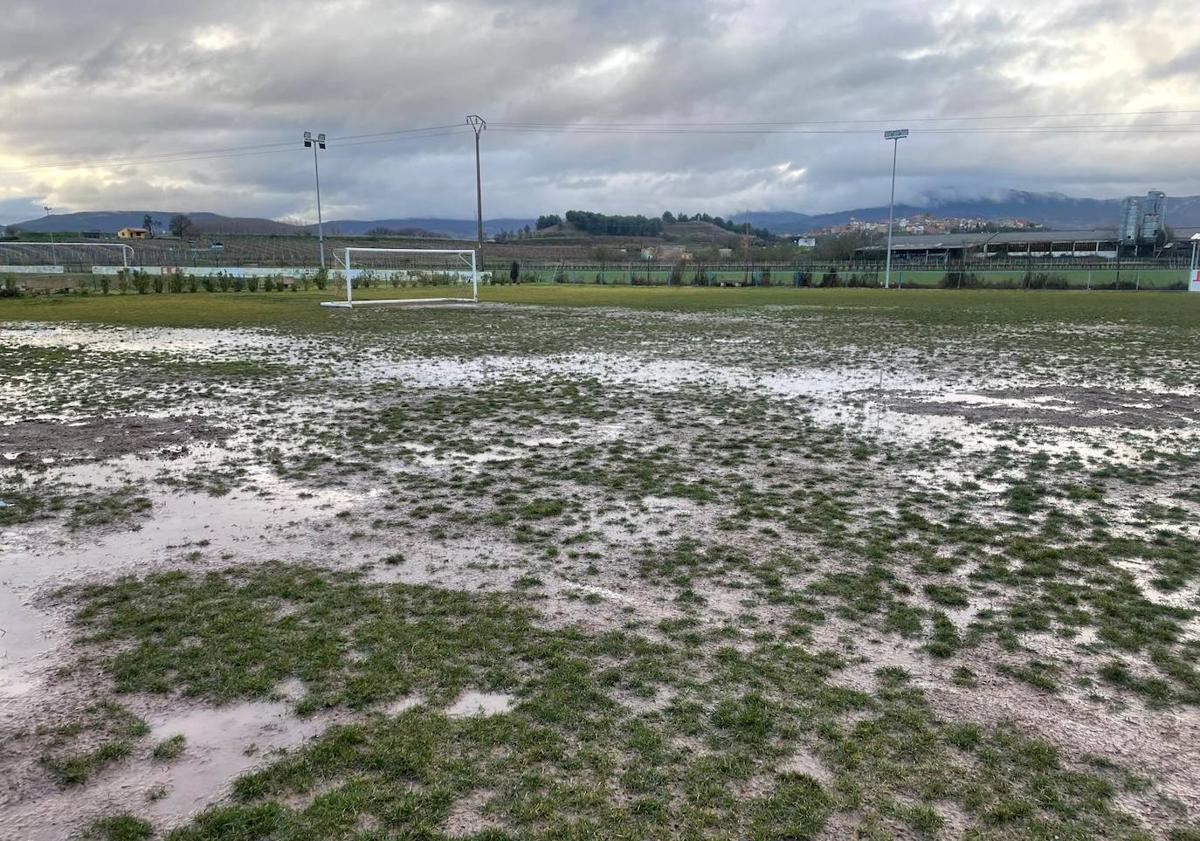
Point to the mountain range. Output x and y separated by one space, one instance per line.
111 221
1054 210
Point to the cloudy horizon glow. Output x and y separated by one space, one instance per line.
82 84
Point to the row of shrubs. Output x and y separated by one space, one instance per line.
758 277
144 283
1030 280
1035 280
367 278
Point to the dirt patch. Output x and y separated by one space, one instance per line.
1157 742
466 816
480 703
1063 406
38 443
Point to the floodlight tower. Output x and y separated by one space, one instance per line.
893 135
53 247
1194 280
479 124
316 143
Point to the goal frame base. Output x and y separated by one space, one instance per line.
379 302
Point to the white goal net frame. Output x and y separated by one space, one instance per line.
465 256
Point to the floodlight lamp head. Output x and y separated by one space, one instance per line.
321 140
895 134
307 139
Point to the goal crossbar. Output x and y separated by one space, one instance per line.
465 256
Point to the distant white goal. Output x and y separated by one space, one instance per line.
403 268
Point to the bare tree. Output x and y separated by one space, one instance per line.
180 226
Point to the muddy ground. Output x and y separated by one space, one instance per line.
34 443
814 572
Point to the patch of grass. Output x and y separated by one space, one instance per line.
947 595
76 769
944 640
123 827
797 809
540 509
1156 692
169 748
115 506
1036 673
76 750
571 745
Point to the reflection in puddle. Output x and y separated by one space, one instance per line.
222 743
219 744
248 523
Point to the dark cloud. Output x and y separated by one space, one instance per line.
79 82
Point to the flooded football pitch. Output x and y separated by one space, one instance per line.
863 565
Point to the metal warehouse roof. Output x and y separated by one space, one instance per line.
933 241
924 241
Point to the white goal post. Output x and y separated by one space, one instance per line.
466 257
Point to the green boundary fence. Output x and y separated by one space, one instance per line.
1040 277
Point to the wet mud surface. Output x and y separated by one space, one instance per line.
987 543
1066 407
34 443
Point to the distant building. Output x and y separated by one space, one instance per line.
806 242
672 253
1010 245
132 233
1143 219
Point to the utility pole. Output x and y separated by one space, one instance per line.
479 125
317 143
894 135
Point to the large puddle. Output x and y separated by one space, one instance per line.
184 527
219 744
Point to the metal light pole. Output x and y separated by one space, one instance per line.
53 247
315 144
894 135
479 124
1194 279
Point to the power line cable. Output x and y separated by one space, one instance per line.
244 151
796 127
877 121
599 130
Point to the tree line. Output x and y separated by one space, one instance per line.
605 224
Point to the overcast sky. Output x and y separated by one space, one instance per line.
87 87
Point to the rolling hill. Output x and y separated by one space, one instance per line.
111 221
1053 210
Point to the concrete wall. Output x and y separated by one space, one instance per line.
31 270
209 271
